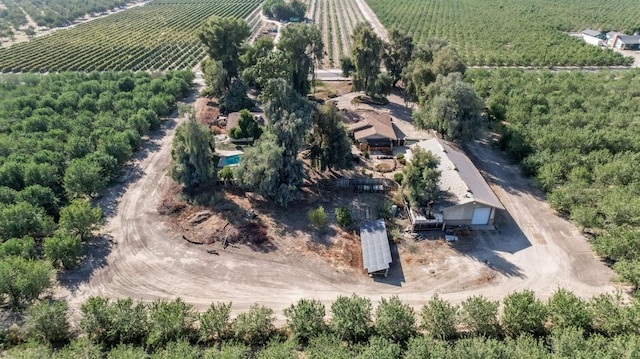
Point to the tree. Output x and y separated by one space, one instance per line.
23 219
346 65
351 317
480 316
629 271
281 10
610 316
262 47
169 321
226 173
439 318
420 178
228 350
40 196
567 310
523 313
215 76
178 349
343 217
83 178
366 53
331 146
380 348
80 219
63 250
446 61
255 326
273 65
215 323
111 324
247 127
223 38
398 53
305 319
47 322
451 107
21 247
303 48
192 152
236 98
395 320
23 280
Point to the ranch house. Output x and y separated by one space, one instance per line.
465 198
372 130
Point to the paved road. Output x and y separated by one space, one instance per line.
331 75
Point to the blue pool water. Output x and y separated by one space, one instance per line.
232 160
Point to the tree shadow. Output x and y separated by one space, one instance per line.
487 246
95 253
395 276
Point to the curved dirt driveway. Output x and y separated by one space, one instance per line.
138 256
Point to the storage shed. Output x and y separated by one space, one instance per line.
465 198
376 253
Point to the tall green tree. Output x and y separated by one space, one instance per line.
170 321
420 177
24 219
439 318
215 323
568 310
80 219
83 177
302 46
397 53
366 53
247 127
255 326
192 154
215 77
262 47
48 322
351 318
480 316
523 313
395 320
23 280
223 38
451 107
306 319
331 146
63 249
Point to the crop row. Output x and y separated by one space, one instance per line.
514 33
158 36
336 19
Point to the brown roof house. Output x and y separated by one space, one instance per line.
372 130
465 197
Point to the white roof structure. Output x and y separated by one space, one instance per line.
459 177
376 253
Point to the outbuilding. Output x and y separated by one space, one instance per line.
465 198
376 253
593 37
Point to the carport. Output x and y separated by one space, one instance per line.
376 254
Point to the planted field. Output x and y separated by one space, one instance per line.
336 19
158 36
496 32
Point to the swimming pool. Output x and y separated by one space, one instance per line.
231 160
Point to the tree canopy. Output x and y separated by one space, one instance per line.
420 178
302 46
366 55
223 38
192 153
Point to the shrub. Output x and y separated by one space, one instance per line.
365 154
255 326
343 217
47 322
63 249
398 177
351 317
226 173
317 217
384 167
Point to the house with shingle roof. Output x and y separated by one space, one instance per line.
372 130
465 197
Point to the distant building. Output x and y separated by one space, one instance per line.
593 37
465 198
372 130
626 42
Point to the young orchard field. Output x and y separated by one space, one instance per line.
158 36
336 19
514 33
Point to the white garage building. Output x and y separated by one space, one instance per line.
465 198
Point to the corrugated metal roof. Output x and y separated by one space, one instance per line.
376 253
593 33
458 175
629 39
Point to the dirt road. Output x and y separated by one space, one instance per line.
138 255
